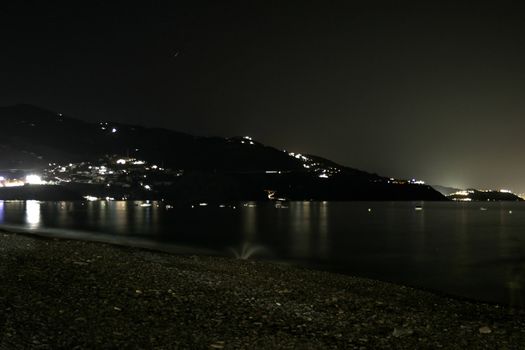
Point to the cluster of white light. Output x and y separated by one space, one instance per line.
98 174
34 180
299 156
104 126
308 163
461 193
466 199
31 179
416 182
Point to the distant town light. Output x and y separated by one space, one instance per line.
34 180
461 193
462 199
323 176
121 161
114 130
505 191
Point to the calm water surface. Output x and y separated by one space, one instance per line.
475 250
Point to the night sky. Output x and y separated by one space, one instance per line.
433 92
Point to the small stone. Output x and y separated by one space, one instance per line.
485 330
217 345
401 332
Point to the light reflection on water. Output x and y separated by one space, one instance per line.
451 247
33 214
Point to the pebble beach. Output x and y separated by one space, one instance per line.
67 294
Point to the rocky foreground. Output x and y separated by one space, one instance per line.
61 294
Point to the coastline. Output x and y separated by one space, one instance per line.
60 293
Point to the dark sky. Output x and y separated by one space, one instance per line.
433 91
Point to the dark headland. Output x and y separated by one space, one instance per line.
108 159
61 294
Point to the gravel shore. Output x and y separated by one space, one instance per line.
65 294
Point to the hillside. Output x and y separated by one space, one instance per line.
33 139
472 195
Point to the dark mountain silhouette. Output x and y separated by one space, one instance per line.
218 168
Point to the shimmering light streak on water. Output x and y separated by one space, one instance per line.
33 213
